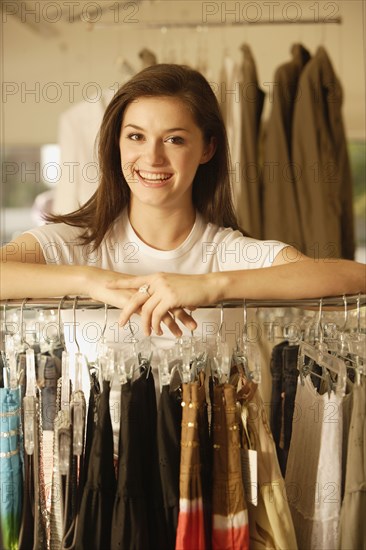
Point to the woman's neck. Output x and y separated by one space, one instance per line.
162 229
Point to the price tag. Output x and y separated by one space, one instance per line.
250 475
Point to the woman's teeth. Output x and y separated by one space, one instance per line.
154 177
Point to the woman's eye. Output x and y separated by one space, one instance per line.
176 140
135 137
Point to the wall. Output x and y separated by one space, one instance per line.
81 53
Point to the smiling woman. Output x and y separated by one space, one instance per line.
161 147
164 188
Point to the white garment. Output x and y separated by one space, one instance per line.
207 249
78 130
313 474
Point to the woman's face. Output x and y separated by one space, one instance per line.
161 148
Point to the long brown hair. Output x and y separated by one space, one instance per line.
211 191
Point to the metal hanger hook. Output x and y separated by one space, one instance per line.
22 339
219 332
105 321
345 312
245 321
60 329
320 325
74 322
359 313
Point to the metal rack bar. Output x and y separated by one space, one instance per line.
199 25
86 303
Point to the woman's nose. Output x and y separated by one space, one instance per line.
155 152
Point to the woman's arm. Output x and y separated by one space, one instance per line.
25 274
286 279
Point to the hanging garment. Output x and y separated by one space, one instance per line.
352 531
48 372
284 383
270 521
193 520
75 483
248 193
313 474
10 467
35 522
230 529
280 202
169 436
138 513
319 152
56 526
99 491
347 407
78 129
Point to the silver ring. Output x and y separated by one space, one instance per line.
144 289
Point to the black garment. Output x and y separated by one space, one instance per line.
49 371
138 520
94 523
284 380
169 435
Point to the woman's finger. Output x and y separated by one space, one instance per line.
133 305
185 318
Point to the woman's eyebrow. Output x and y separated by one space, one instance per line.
143 130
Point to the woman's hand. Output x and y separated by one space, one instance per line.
164 300
122 291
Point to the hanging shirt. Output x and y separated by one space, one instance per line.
313 474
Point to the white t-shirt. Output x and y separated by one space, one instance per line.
208 248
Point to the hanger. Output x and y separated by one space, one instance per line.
29 400
10 372
105 354
247 353
220 365
318 353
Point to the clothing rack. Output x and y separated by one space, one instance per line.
204 26
68 302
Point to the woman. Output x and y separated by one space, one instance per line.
160 233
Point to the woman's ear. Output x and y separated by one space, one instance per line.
209 151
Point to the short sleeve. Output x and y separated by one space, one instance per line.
60 243
236 252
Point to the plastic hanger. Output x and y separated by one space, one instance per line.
221 356
29 400
318 353
247 353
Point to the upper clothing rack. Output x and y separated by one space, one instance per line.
200 25
69 302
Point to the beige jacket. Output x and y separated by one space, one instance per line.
322 177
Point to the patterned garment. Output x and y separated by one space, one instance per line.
10 467
35 520
56 527
270 521
192 531
230 529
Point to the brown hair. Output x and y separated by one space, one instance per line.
211 191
